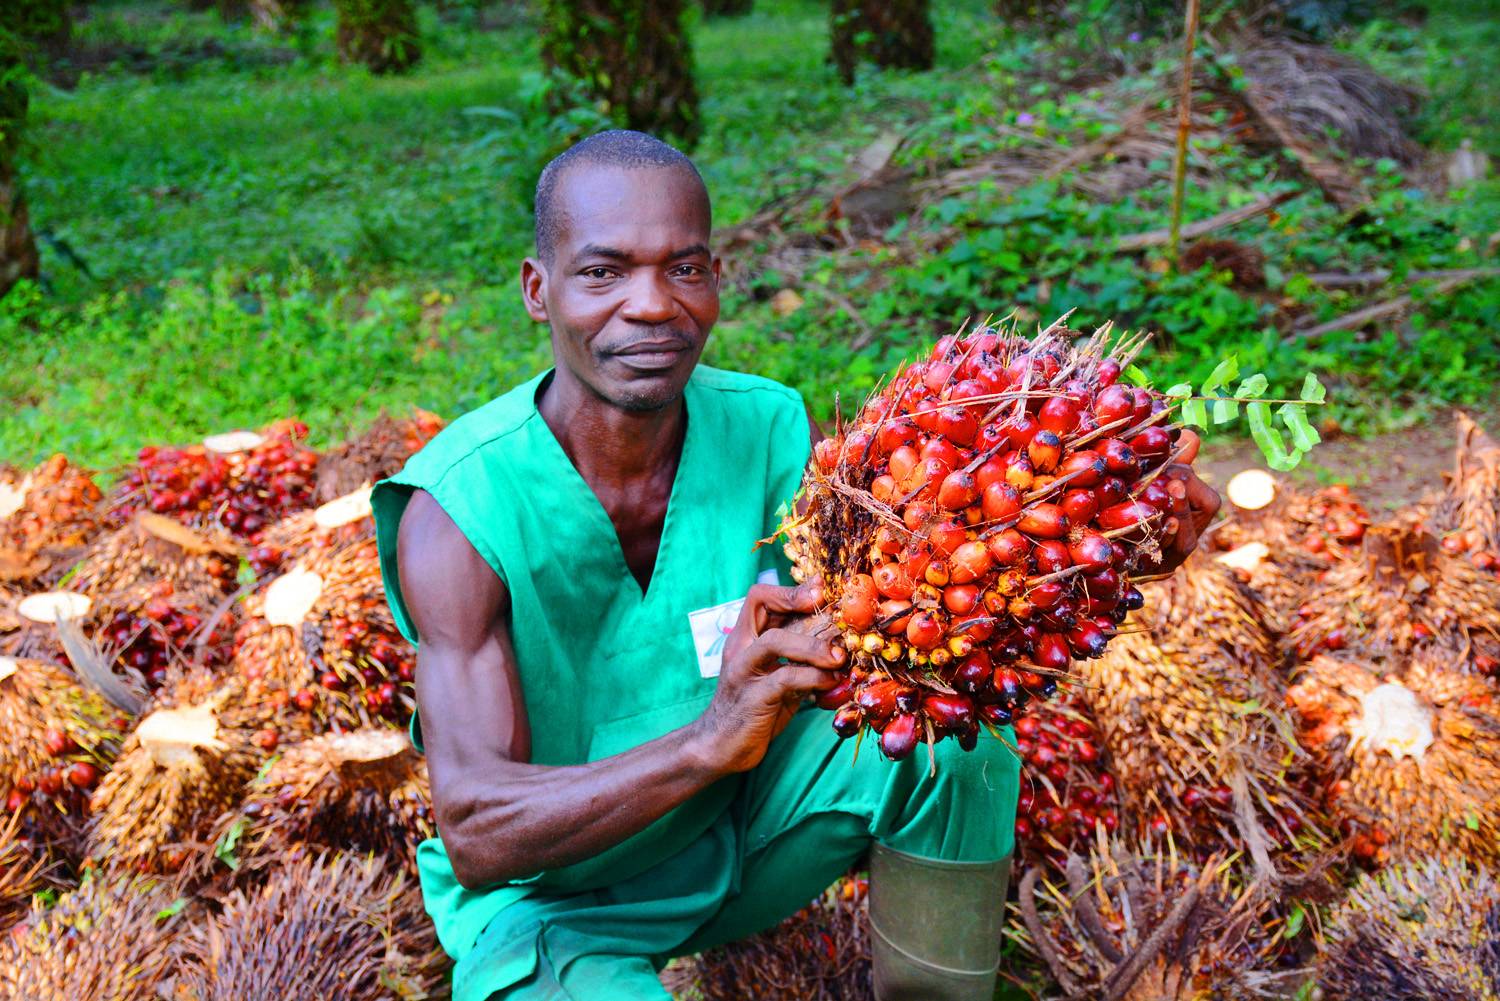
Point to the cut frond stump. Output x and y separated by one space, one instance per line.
1428 930
46 515
318 927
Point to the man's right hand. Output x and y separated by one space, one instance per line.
769 666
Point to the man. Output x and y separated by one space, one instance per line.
604 802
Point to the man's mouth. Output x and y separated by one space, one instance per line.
652 356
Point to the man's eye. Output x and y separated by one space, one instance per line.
597 273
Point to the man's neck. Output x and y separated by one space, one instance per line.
606 443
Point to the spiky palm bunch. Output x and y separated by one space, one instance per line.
107 940
379 452
46 515
1410 761
319 927
151 549
365 791
1468 515
1428 930
21 872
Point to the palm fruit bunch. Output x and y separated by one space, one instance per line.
323 635
1427 929
1468 514
1403 595
185 763
319 927
241 481
379 452
977 525
46 514
1146 924
150 629
110 938
152 548
330 526
1191 710
60 738
821 953
22 872
1410 761
1066 789
366 791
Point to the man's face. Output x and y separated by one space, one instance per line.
632 291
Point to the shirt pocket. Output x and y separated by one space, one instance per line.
617 735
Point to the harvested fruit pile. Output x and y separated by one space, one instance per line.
978 525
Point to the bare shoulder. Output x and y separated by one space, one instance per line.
452 592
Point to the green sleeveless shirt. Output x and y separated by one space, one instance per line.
604 667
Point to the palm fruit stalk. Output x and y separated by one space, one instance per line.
1468 514
1146 924
977 526
379 452
1192 714
319 927
366 791
152 548
187 762
821 953
331 526
241 481
1428 929
46 515
1066 788
110 938
323 635
1410 761
1403 595
60 738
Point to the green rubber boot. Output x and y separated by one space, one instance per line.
935 926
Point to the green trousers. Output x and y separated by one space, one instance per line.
799 820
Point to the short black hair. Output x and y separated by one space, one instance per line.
614 148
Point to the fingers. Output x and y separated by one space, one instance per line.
1187 446
767 604
1204 501
775 645
801 679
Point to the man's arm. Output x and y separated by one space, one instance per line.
502 817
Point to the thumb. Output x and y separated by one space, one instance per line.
1188 444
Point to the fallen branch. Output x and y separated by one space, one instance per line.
1232 217
1379 311
1379 276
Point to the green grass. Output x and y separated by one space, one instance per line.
269 237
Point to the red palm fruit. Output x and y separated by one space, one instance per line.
83 775
1087 640
899 738
1080 506
891 613
1084 469
892 581
978 627
1052 652
857 446
925 629
826 452
847 720
1152 444
1044 521
1059 415
938 447
1113 403
961 599
55 741
1091 551
877 698
893 434
937 573
1020 430
991 471
903 460
1046 595
1009 548
887 541
949 713
946 536
1140 404
1045 451
958 425
1102 584
1119 458
857 603
966 389
924 413
1107 372
884 488
832 698
971 561
1156 494
1019 471
1126 515
1011 583
50 782
937 375
1000 501
958 490
925 477
917 514
973 672
915 560
1051 555
1111 492
1020 608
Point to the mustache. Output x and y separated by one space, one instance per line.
662 338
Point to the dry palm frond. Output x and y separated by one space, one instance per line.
46 515
379 452
1411 761
821 953
365 791
107 940
1428 930
319 927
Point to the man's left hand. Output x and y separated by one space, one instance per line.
1197 504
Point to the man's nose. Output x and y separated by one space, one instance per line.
650 300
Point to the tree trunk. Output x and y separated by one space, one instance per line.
631 54
727 8
45 24
895 34
18 258
381 34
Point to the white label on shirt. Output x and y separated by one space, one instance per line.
711 627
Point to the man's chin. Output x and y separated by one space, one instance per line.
644 391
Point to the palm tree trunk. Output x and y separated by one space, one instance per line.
381 34
18 257
894 34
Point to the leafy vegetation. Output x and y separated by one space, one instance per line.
236 227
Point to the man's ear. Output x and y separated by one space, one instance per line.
718 267
534 289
